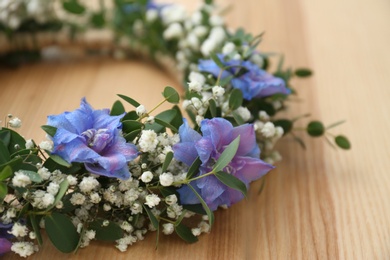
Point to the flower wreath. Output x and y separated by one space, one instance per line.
112 174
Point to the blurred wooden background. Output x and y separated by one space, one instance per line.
318 204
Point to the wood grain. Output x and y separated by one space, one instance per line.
319 203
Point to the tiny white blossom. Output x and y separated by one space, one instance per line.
20 179
196 76
72 180
47 200
32 235
216 20
147 176
258 125
77 199
29 144
279 132
193 41
244 113
141 110
237 56
168 228
19 230
173 13
136 208
90 234
150 120
268 130
228 48
152 200
204 227
257 59
53 188
171 199
106 207
24 249
46 145
151 15
200 31
148 141
173 31
218 91
15 122
196 231
88 184
196 18
195 86
166 179
196 103
263 116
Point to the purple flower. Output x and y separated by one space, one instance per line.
5 244
92 137
218 133
255 83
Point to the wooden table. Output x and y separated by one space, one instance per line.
318 204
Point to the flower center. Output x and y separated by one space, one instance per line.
97 140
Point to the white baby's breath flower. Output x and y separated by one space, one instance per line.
279 132
32 235
72 180
106 207
88 184
95 197
263 116
171 199
168 228
152 200
53 188
196 231
15 122
47 200
151 15
200 31
19 230
20 179
228 48
29 144
173 31
90 234
148 141
216 20
166 179
173 14
268 130
141 110
24 249
46 145
77 199
147 176
218 91
150 120
244 113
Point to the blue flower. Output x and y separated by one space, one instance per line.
255 83
218 133
5 244
93 137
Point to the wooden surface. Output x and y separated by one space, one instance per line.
319 203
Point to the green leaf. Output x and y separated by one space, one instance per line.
51 165
130 136
168 159
166 116
194 168
237 117
166 191
235 99
60 161
299 141
34 177
61 232
98 20
5 173
73 6
217 61
315 128
50 130
302 72
226 80
197 208
34 223
209 213
64 185
4 153
171 95
286 124
5 137
227 155
343 142
213 108
111 232
185 233
166 124
132 115
177 121
117 109
129 126
232 182
152 217
3 191
335 124
129 100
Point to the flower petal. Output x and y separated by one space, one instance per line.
219 130
187 134
5 246
248 145
252 169
185 152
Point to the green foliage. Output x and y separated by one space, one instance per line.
110 232
34 177
152 217
171 95
129 100
206 208
235 99
60 161
3 191
167 161
217 61
303 72
185 233
117 109
73 6
129 126
343 142
227 155
286 124
232 182
194 168
34 221
315 128
64 185
5 173
50 130
61 232
98 20
12 140
163 120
